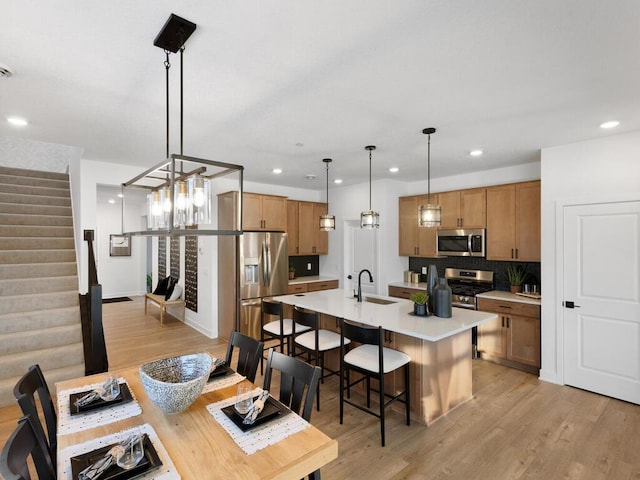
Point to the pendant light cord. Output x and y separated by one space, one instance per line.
369 179
327 187
429 169
167 66
181 100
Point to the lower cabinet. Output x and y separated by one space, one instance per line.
394 381
512 339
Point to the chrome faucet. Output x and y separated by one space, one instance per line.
360 282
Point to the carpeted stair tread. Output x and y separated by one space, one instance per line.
23 172
36 243
37 270
35 231
29 190
26 199
34 181
42 301
51 375
39 302
51 358
34 320
37 256
37 286
33 340
34 209
40 220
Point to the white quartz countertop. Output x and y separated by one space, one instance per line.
394 317
508 297
311 279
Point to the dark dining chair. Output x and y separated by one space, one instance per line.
298 385
314 343
25 391
23 443
372 360
249 353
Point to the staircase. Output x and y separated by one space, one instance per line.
39 307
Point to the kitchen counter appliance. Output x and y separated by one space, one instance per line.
264 272
461 243
465 285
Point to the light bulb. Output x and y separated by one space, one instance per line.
198 197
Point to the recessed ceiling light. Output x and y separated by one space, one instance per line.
120 195
394 169
476 153
338 181
310 176
277 171
111 200
611 124
17 121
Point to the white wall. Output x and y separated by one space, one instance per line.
120 276
85 176
483 178
346 204
602 169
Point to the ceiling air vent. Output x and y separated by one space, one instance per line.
6 71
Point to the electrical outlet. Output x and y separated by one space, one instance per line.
308 266
424 270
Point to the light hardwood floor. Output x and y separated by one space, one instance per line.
515 426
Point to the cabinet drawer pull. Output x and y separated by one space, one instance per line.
516 253
502 321
504 306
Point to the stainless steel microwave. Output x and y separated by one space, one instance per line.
461 243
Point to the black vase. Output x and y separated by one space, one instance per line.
442 299
432 281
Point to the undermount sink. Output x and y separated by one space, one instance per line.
379 301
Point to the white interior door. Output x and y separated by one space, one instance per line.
361 252
602 278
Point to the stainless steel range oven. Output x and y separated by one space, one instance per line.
465 285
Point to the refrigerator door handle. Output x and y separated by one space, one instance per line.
265 264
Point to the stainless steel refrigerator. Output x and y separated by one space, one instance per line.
263 262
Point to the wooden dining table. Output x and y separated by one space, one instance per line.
200 447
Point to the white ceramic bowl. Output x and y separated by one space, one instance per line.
174 383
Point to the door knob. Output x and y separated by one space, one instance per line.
569 304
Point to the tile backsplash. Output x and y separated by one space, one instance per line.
301 265
499 269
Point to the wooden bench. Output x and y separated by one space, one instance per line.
163 304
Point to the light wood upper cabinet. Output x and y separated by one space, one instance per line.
415 241
303 228
528 222
513 222
463 208
292 228
264 212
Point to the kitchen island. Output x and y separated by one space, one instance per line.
440 348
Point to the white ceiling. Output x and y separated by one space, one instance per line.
285 83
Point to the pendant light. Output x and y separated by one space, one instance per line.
327 222
369 219
189 204
429 215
